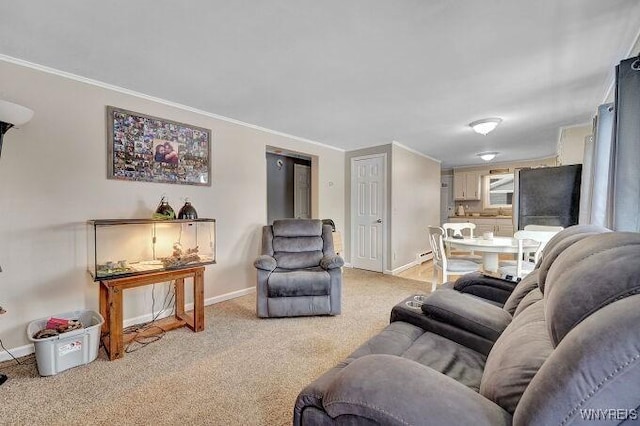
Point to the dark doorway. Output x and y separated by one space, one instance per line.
286 189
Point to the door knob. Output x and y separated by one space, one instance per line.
379 221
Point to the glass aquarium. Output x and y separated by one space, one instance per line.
118 248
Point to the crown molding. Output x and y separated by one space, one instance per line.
107 86
396 143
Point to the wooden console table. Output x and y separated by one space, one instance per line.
111 305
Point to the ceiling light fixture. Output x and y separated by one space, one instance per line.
485 125
487 156
12 115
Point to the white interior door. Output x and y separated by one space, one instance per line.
301 191
367 212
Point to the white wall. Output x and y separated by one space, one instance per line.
53 179
571 144
415 204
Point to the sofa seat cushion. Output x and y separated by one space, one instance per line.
305 282
439 353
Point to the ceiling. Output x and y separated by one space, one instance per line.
349 73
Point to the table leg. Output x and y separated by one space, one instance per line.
104 307
115 324
198 301
179 291
490 261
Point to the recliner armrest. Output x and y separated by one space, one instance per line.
266 263
331 262
489 288
391 390
467 313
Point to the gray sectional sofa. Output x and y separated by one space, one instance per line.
563 350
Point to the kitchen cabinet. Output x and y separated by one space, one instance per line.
466 186
501 227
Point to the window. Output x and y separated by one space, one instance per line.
498 191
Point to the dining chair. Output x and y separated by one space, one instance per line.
457 230
524 264
546 228
440 261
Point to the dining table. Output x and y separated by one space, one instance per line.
491 248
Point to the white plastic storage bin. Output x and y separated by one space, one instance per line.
67 350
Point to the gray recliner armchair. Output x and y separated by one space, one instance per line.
299 273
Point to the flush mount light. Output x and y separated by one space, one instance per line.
487 156
485 125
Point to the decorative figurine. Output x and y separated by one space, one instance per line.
180 258
164 210
187 211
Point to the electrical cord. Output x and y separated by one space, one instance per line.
139 341
7 351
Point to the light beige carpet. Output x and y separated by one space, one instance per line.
240 370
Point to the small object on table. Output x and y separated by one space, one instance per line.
164 210
180 257
187 211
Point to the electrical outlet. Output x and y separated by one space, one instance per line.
395 256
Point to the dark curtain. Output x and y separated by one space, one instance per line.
626 148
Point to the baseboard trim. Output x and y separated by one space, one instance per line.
17 352
400 269
189 306
25 350
419 260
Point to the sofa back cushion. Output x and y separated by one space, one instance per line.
591 274
297 228
297 243
524 287
594 371
591 316
560 243
516 357
532 297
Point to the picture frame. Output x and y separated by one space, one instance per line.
144 148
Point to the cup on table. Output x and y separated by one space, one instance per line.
413 304
488 235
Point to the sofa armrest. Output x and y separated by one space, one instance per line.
467 313
331 261
266 263
391 390
489 288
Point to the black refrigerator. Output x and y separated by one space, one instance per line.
547 196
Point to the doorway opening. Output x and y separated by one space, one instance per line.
289 182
